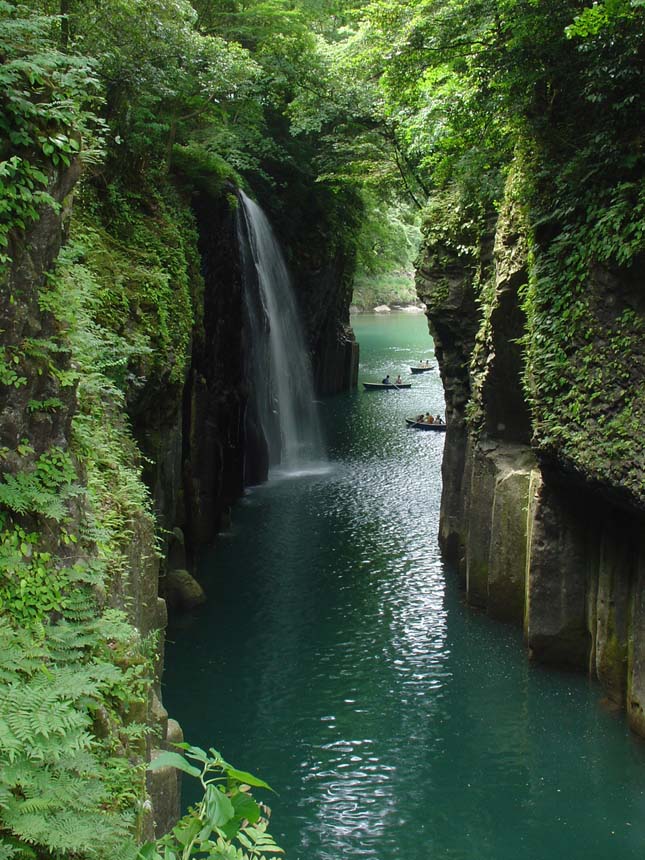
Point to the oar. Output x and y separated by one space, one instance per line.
396 386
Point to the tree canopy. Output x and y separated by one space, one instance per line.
363 116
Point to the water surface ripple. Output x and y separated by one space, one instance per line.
336 659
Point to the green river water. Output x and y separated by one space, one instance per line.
336 659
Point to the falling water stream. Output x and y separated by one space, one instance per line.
279 367
336 659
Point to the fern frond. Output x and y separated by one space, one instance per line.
7 851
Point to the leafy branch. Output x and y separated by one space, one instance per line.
226 814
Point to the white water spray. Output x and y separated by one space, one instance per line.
279 371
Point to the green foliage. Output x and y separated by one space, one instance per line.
164 79
142 280
31 586
585 360
75 676
394 288
43 488
52 785
388 239
204 169
8 371
604 16
227 824
101 437
386 247
47 110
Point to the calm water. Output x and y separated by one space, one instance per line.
336 659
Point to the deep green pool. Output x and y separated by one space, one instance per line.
336 659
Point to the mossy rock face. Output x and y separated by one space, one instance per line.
556 620
183 591
482 493
612 611
164 787
508 540
498 406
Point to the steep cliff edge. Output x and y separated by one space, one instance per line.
544 502
124 442
77 545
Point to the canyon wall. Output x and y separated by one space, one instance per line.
543 502
123 404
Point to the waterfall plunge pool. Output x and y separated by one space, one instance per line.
335 658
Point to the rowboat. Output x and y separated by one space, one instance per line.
422 425
382 386
421 368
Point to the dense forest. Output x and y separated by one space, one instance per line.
359 126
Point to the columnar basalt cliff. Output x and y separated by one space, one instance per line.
543 504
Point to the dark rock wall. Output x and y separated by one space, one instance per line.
316 229
445 284
201 440
535 540
193 435
215 394
335 351
27 333
21 319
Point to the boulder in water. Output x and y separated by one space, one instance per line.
183 591
381 309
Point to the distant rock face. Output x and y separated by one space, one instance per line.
315 227
324 293
533 538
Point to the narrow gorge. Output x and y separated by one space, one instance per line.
191 192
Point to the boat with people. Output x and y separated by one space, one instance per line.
384 386
421 368
437 426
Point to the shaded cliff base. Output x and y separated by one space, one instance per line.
540 550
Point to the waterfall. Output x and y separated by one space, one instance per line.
282 412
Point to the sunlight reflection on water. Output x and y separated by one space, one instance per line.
335 658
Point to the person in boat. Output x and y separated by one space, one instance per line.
438 420
419 418
386 381
399 381
429 419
